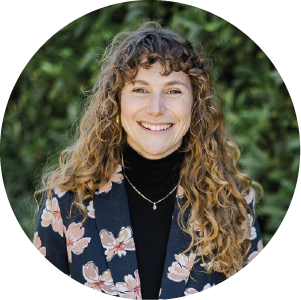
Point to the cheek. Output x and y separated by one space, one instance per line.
130 107
126 111
124 114
187 122
184 116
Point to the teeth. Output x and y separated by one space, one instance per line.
155 127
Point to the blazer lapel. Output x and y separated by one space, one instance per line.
112 218
177 265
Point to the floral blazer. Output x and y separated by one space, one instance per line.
100 253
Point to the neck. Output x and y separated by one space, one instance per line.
152 155
160 173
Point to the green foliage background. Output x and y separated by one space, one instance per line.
47 100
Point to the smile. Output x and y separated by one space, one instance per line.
159 127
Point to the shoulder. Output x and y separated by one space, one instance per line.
59 203
64 198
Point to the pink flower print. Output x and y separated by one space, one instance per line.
75 242
255 253
38 244
91 210
250 197
103 283
196 227
208 286
58 192
105 188
190 291
253 234
52 215
216 265
160 291
180 192
199 251
118 246
180 269
131 288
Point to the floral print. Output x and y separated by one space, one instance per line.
105 188
253 233
208 286
216 264
255 253
74 239
250 197
103 283
180 269
190 291
102 261
91 210
196 227
58 192
117 246
38 244
131 288
160 291
180 192
52 215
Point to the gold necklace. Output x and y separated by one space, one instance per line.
154 203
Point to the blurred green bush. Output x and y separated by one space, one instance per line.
47 100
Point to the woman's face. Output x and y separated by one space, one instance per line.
156 111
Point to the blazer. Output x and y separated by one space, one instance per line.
100 253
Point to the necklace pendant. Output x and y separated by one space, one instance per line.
155 206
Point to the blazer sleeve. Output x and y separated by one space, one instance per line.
255 235
49 237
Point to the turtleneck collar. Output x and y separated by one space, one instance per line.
160 173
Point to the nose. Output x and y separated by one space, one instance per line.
155 105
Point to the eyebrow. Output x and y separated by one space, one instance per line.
134 81
174 82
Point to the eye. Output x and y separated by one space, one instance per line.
139 91
174 92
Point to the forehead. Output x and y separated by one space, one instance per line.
154 75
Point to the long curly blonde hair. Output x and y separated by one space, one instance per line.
217 212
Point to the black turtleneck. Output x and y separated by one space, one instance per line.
154 179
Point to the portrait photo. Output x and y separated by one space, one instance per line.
150 150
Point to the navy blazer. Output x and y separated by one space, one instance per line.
100 253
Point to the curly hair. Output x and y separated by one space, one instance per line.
215 213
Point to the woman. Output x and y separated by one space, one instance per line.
152 164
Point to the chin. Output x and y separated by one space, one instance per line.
157 150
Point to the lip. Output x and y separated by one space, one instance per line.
156 123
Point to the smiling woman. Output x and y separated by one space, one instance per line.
156 111
183 218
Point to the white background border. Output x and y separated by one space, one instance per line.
273 25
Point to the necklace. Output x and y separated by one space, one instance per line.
154 203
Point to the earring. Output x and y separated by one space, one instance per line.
117 119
